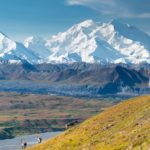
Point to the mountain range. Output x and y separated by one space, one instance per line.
76 79
89 41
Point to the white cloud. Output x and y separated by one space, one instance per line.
144 15
87 2
136 16
76 2
106 7
99 5
117 8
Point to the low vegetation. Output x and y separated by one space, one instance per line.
125 126
28 113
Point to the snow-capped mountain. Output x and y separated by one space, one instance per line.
38 46
14 52
88 41
101 42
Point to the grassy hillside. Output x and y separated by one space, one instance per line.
125 126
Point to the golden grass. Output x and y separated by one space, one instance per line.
125 126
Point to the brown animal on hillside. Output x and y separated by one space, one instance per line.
68 125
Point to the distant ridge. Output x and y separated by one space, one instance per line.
77 79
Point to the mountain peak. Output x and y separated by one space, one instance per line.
121 27
32 39
131 32
3 35
38 46
116 21
86 23
87 41
6 44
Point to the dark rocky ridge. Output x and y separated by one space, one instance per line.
77 79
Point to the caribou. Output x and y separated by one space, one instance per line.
68 125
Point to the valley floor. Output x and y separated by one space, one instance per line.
22 114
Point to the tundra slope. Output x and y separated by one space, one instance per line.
124 126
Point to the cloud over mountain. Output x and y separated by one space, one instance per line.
119 8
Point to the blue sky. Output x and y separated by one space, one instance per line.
22 18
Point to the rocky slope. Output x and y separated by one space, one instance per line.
78 79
